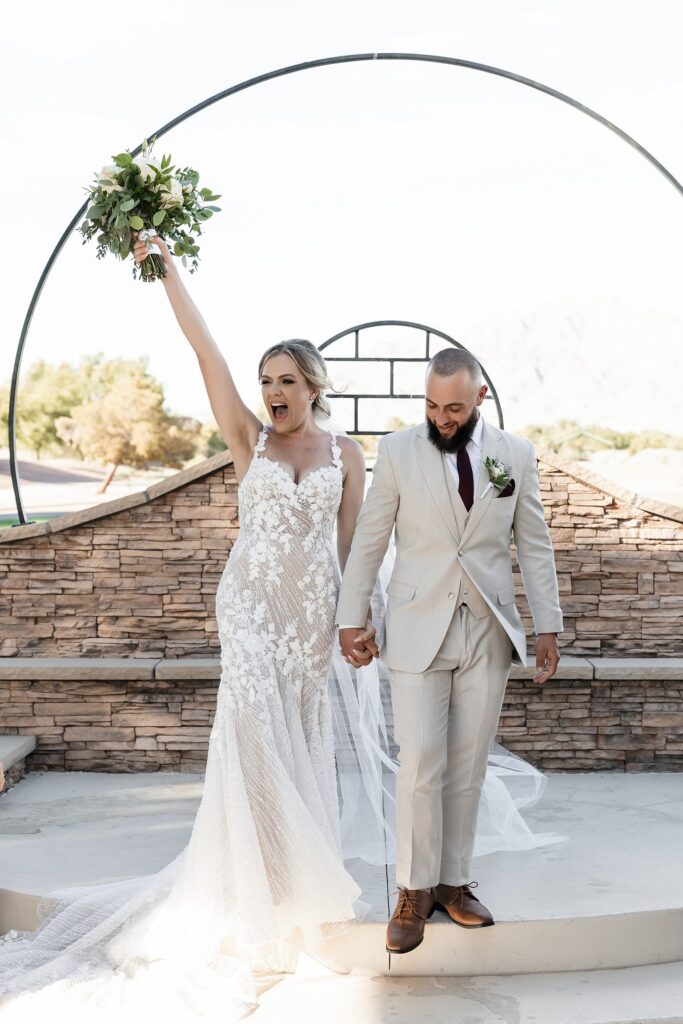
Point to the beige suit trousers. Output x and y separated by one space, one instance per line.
444 722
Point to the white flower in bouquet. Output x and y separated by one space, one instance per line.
136 193
107 179
173 195
147 170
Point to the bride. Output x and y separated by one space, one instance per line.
263 874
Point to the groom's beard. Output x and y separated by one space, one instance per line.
458 440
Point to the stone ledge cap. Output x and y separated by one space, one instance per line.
91 669
637 668
188 668
173 482
15 748
571 667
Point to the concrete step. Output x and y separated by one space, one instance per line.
518 947
611 897
634 995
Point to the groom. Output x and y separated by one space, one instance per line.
452 628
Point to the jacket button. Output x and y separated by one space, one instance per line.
451 595
460 551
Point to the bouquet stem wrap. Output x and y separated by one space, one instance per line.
153 266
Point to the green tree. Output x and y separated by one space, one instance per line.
654 439
46 393
209 440
574 440
579 441
4 414
128 425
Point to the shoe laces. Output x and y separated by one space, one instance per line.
407 901
466 890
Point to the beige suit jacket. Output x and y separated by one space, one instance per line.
409 492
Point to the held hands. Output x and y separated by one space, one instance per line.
547 657
358 645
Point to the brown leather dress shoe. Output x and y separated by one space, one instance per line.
405 930
462 906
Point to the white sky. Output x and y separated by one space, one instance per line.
351 193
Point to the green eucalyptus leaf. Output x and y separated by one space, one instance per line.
95 212
123 159
137 223
178 249
158 218
128 205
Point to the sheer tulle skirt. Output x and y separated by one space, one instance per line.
261 878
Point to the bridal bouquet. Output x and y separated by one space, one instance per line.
139 194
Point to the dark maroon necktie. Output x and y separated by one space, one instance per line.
465 478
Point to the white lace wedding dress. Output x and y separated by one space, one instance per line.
263 873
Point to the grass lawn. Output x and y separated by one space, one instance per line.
12 520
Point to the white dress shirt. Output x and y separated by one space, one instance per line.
473 449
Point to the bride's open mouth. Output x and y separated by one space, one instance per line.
279 410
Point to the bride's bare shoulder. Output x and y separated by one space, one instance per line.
352 454
348 444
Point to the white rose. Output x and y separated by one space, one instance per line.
173 196
109 174
147 169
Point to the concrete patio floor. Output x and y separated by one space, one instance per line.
593 925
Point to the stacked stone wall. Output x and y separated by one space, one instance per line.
109 646
125 715
137 576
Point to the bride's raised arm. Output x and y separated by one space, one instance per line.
237 423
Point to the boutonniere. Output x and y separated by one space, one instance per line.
499 477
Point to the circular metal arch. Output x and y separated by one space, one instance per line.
357 357
247 84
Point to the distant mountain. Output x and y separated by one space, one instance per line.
596 361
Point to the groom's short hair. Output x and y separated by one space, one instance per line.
450 360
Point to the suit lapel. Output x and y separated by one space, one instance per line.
490 446
433 469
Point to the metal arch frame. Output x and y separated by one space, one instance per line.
248 83
392 360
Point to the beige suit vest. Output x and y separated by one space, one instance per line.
467 592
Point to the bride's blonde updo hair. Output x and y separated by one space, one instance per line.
314 368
